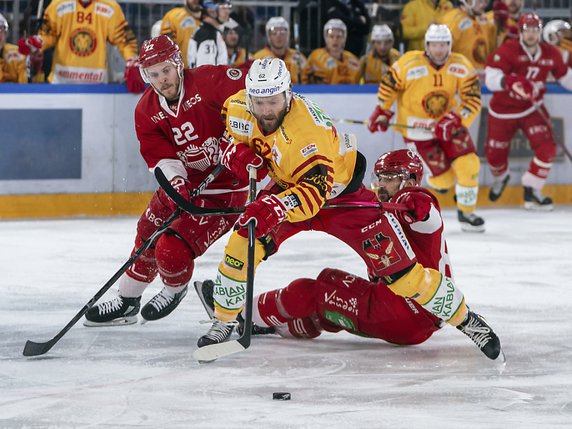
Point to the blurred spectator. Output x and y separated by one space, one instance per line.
474 35
12 64
79 31
231 35
416 17
332 64
207 44
380 57
277 38
558 32
505 14
354 14
181 23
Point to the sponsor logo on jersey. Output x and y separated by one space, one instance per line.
291 201
417 72
340 320
546 62
188 22
458 70
104 10
234 74
240 126
83 42
66 7
232 262
158 117
411 305
465 24
318 115
308 150
348 305
190 102
331 63
400 234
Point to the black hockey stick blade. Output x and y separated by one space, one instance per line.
36 349
186 205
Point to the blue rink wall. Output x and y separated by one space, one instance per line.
70 150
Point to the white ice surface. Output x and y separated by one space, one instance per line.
518 274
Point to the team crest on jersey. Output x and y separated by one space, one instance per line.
83 42
201 157
435 104
234 74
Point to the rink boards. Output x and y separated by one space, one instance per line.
72 150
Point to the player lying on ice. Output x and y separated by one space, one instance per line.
410 292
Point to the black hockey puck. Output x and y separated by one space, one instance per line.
281 396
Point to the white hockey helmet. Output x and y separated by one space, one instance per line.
438 33
268 77
156 29
551 29
335 24
470 4
3 23
276 22
381 32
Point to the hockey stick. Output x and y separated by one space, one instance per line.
552 133
215 351
193 210
358 122
35 349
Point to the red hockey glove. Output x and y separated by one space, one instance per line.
521 87
500 11
379 120
133 77
238 157
267 212
183 188
448 126
30 45
418 206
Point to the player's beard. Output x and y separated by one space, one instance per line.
383 195
270 123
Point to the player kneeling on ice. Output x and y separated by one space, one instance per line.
179 126
410 292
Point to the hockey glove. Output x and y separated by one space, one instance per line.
30 45
238 157
448 126
133 77
379 120
267 212
418 206
500 11
521 87
183 188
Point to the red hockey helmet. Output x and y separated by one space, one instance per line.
529 20
403 161
158 50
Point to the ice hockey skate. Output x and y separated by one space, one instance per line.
476 328
470 222
118 311
497 188
205 293
162 304
218 333
534 200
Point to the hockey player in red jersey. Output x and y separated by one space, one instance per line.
338 300
517 72
179 124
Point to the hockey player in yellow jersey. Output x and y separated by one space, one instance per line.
333 64
426 85
79 31
180 23
416 17
277 46
12 64
380 57
474 34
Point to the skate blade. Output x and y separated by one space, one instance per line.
199 289
470 228
537 207
122 321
